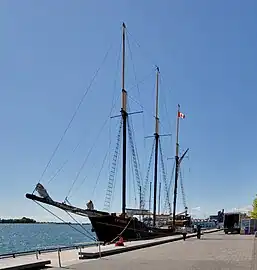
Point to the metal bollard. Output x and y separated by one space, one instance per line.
99 250
59 257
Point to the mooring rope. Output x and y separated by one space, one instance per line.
120 234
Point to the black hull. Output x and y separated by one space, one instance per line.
108 227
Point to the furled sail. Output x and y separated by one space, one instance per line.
90 205
42 192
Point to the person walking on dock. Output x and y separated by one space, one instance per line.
184 232
198 231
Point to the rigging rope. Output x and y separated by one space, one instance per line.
133 181
165 104
105 122
154 65
49 211
79 143
139 96
147 175
98 176
114 101
94 238
60 169
164 178
169 185
91 149
74 115
142 81
133 99
143 108
134 157
139 46
84 179
182 189
130 124
134 69
171 124
108 196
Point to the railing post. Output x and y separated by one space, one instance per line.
99 249
59 257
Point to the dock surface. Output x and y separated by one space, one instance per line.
213 251
24 263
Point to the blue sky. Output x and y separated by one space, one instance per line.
49 52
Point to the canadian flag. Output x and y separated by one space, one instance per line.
181 115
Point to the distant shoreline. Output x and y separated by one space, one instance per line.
26 220
56 223
62 223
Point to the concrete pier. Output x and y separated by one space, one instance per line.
66 257
213 251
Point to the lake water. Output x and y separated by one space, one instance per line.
25 237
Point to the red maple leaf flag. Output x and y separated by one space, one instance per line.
181 115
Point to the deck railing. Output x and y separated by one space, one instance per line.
58 249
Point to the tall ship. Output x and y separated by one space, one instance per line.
131 224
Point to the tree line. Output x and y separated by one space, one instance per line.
18 220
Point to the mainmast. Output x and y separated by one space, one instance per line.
124 115
156 136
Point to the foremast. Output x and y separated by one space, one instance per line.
124 115
156 137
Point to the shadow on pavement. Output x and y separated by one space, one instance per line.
225 239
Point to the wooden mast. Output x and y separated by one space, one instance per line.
124 115
178 160
159 199
156 136
176 170
150 196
